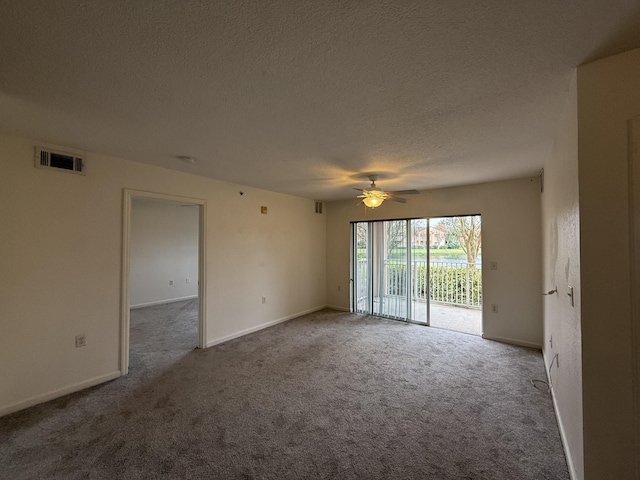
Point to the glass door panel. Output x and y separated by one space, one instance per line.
419 271
362 281
392 295
455 273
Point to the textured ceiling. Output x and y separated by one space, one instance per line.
305 97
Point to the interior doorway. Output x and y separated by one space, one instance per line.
183 287
426 271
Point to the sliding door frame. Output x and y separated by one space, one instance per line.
374 274
354 267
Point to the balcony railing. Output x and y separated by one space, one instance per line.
451 283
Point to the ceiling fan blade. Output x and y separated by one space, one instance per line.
398 199
359 189
404 192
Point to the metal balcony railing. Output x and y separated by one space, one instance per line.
451 283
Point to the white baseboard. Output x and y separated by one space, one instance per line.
162 302
30 402
563 435
513 341
247 331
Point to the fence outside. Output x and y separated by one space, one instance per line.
451 283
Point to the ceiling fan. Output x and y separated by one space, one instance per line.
373 196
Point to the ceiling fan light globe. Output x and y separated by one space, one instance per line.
373 201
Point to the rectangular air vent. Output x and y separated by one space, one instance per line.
318 207
68 162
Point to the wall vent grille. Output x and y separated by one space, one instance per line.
56 160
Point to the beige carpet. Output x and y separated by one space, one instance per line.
327 395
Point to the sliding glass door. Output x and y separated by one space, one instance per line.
389 269
419 271
362 259
391 296
425 271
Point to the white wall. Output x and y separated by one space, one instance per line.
61 250
561 267
510 236
164 246
608 96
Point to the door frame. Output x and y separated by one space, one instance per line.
127 197
410 318
633 131
374 275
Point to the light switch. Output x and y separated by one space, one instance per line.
570 293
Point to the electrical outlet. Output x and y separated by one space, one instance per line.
81 340
494 265
187 280
264 299
494 307
170 282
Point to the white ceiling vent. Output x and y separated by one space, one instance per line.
68 162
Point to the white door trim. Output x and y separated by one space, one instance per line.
128 195
634 255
